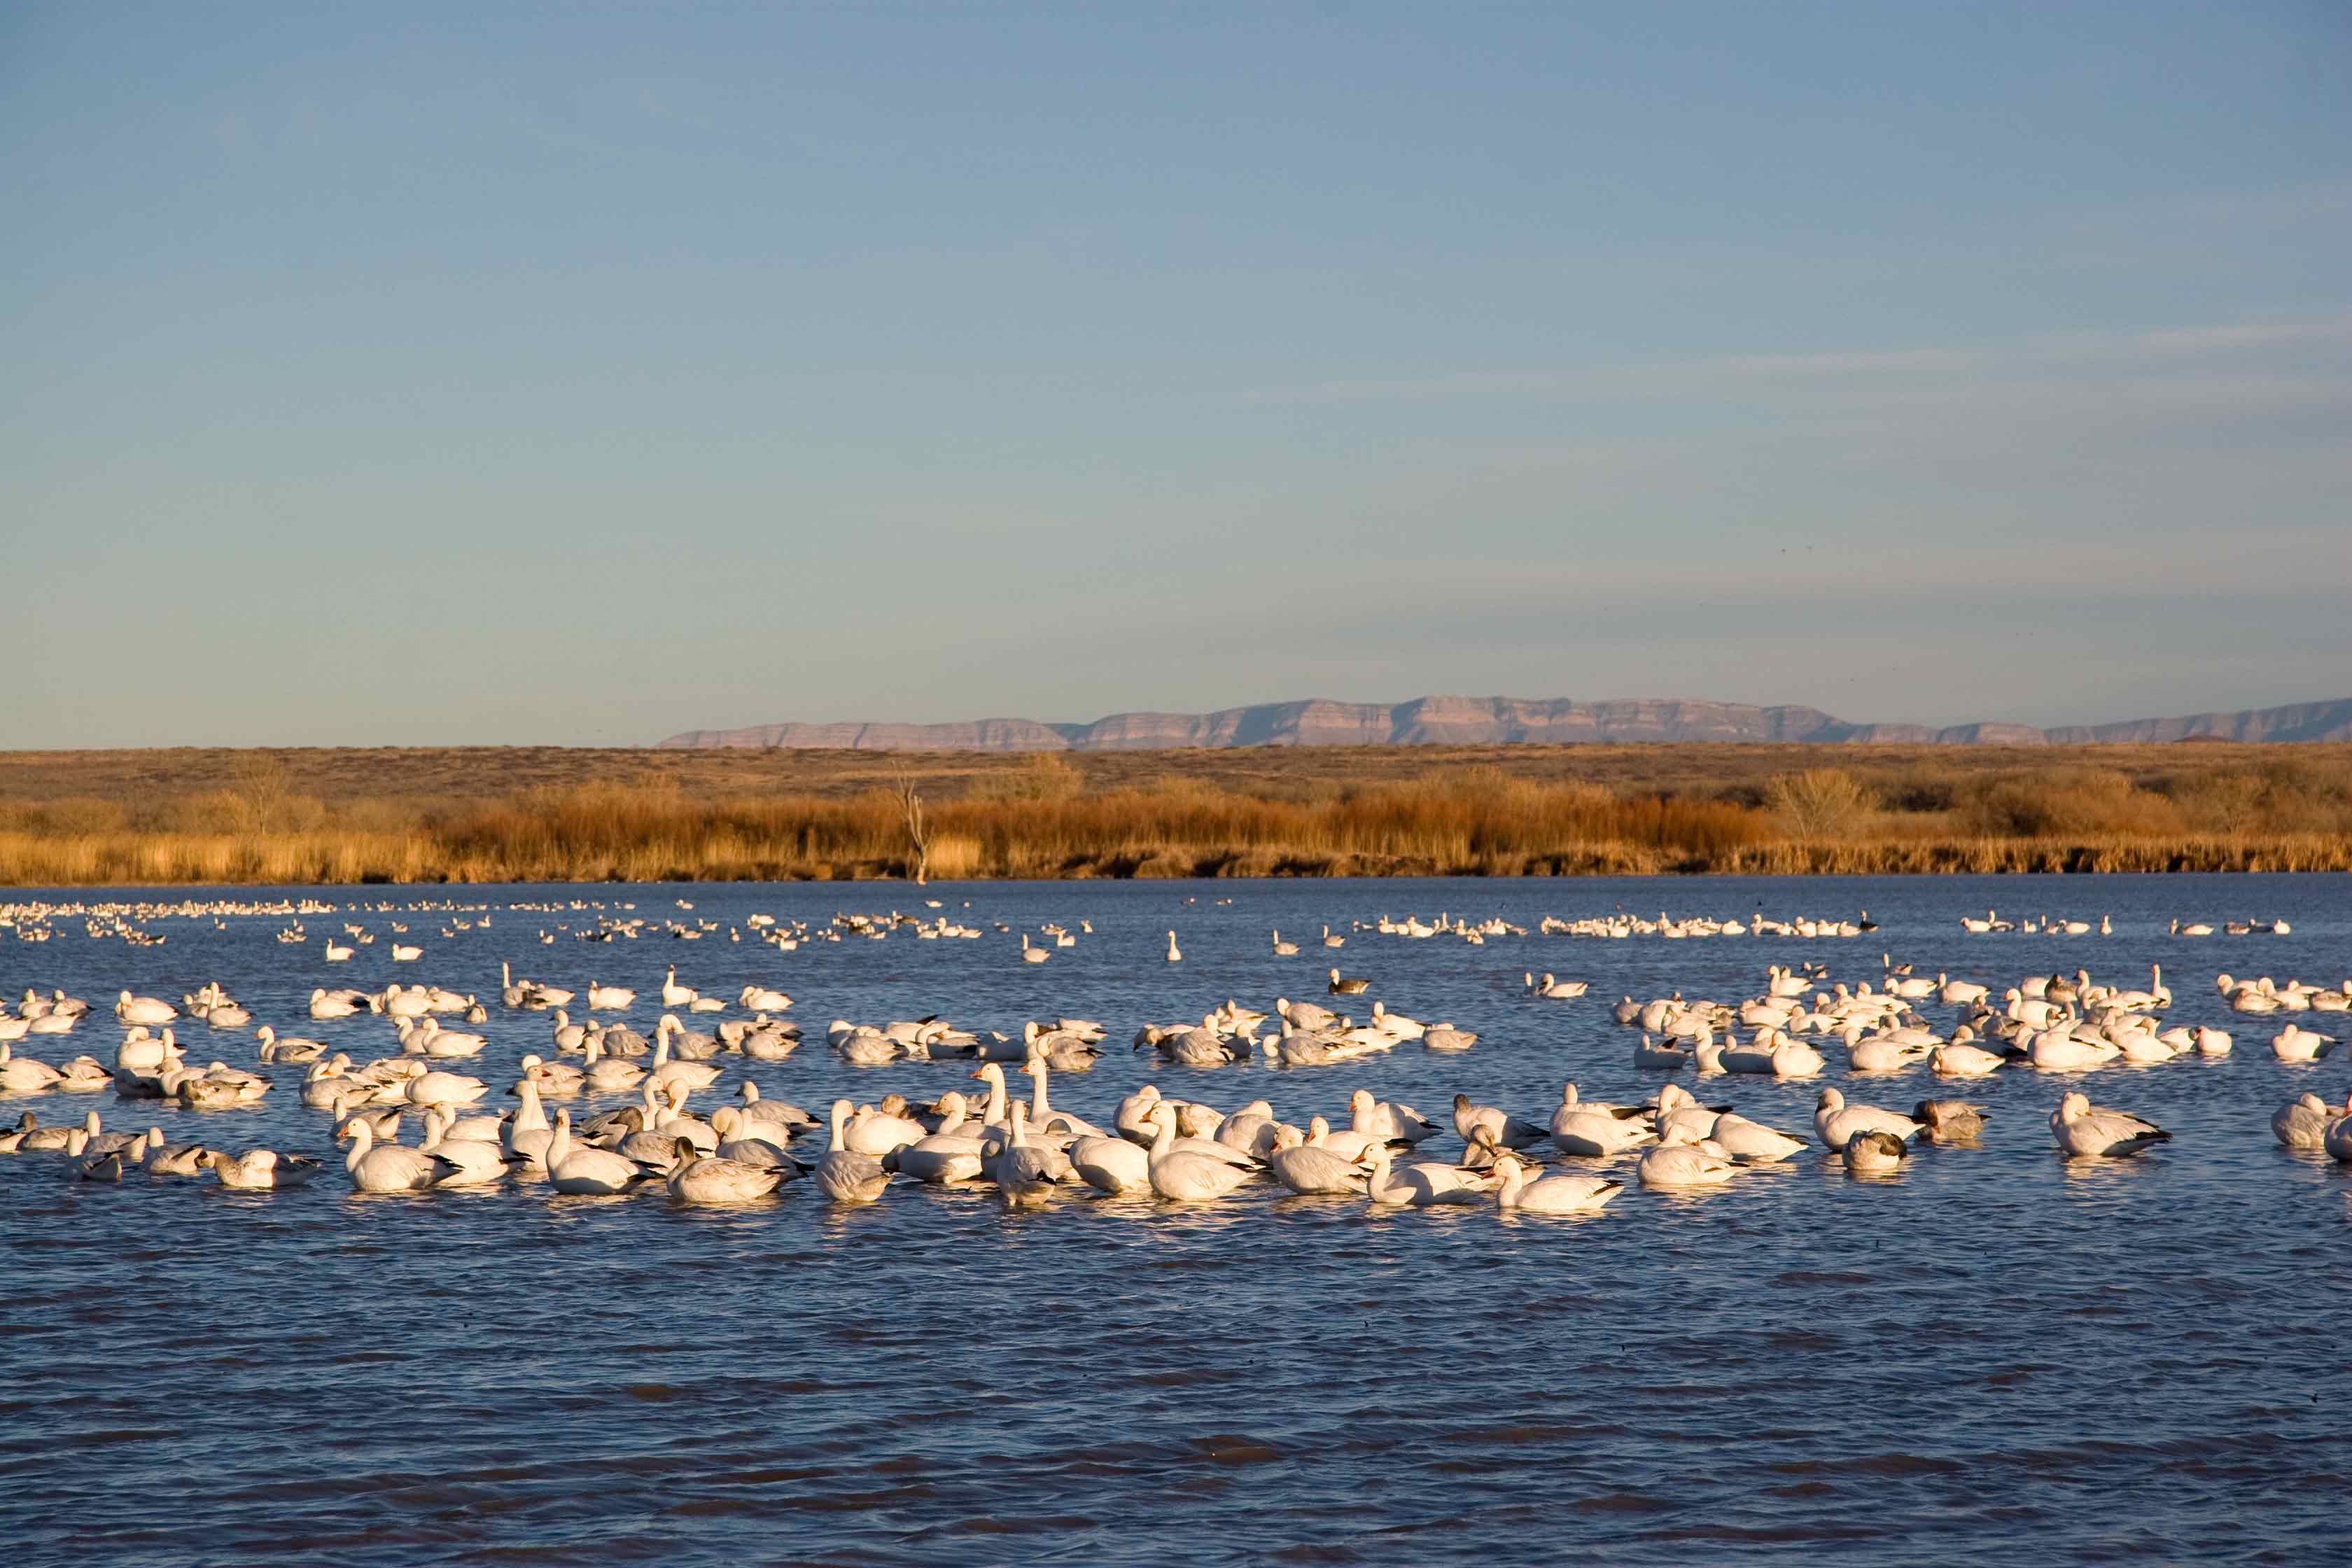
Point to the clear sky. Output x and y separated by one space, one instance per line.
422 374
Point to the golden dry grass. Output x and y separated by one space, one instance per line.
545 814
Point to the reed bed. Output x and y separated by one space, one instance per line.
1049 817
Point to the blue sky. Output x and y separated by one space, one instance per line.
438 374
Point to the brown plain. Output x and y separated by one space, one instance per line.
553 814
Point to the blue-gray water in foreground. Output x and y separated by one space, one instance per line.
1994 1357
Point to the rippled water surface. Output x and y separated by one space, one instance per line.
1994 1356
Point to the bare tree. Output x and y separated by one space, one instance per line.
919 834
1819 802
261 791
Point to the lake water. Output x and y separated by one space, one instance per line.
1994 1357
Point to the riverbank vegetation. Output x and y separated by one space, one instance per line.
555 814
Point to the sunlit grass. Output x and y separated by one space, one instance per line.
1052 819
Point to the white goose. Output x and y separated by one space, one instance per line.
1552 1195
2297 1044
1423 1185
1595 1131
478 1163
845 1175
1184 1175
1874 1153
1313 1170
582 1171
2083 1131
1389 1121
1752 1143
1837 1122
950 1155
387 1167
262 1170
1684 1159
697 1178
2302 1122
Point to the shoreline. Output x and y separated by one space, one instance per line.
229 863
327 817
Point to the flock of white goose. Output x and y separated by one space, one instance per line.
1575 1159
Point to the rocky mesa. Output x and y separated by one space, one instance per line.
1506 720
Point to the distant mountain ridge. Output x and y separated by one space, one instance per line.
1507 721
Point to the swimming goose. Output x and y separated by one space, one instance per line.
609 998
1251 1130
2294 1044
2337 1138
1344 1141
1042 1117
96 1141
23 1075
1059 1048
785 1119
1557 989
584 1171
13 1141
2083 1131
1682 1160
262 1170
107 1166
952 1154
1552 1195
479 1162
548 1079
750 1144
31 1138
528 1135
1311 1169
1959 1060
1950 1121
1874 1153
1114 1166
1595 1131
1752 1143
144 1010
1509 1131
173 1159
1308 1016
288 1049
1649 1053
1186 1174
1837 1122
1884 1053
668 1069
609 1074
430 1086
2302 1124
387 1167
83 1075
697 1178
1348 984
1425 1184
1023 1171
845 1175
1390 1122
1446 1037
